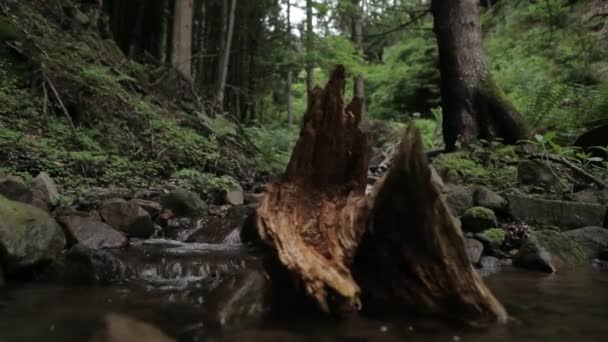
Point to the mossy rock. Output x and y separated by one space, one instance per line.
549 251
184 203
496 236
28 235
478 219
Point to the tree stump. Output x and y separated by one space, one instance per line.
315 217
398 248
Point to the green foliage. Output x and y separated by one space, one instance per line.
275 146
201 183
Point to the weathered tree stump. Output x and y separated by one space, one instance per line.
399 246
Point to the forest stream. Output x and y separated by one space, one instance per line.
568 306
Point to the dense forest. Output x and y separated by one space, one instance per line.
244 160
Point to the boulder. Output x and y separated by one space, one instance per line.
153 208
253 198
496 236
564 214
119 328
47 188
548 251
484 197
216 227
489 265
459 198
535 173
474 250
593 239
478 219
589 196
29 235
184 203
127 217
14 189
91 233
234 195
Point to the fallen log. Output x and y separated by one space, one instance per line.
398 248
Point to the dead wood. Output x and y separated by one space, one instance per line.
401 243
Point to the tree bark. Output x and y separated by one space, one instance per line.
164 31
181 50
229 8
357 38
473 105
398 249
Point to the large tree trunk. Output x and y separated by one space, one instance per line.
398 248
181 51
474 106
228 9
357 38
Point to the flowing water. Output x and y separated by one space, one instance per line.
570 306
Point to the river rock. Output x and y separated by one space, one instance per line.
459 198
128 217
548 251
564 214
484 197
536 173
234 195
82 265
29 235
184 203
14 189
119 328
218 225
91 233
592 239
47 188
489 265
478 219
153 208
474 250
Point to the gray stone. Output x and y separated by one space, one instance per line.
489 265
235 195
253 198
127 217
484 197
29 235
548 251
14 189
459 198
592 239
91 233
474 250
184 203
587 196
47 187
153 208
219 225
478 219
536 173
566 215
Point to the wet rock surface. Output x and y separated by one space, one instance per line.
127 217
549 251
474 249
92 233
594 240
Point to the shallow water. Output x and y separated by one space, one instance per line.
571 306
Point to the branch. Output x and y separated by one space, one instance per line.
566 162
401 26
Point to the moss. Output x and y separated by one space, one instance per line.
495 235
493 171
560 245
478 219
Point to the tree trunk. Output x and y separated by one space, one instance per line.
310 77
181 51
398 248
224 54
164 31
289 74
357 38
473 105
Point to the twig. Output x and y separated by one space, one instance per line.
564 161
65 110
